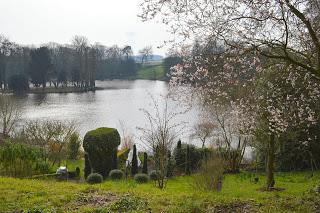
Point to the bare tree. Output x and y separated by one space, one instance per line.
127 140
232 135
286 31
81 46
127 51
51 137
146 53
203 130
9 115
160 134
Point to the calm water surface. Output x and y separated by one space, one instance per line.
118 101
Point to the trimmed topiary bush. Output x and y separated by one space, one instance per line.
153 175
101 145
188 161
145 163
141 178
94 178
115 160
87 166
116 174
171 165
134 163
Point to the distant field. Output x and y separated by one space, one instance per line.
152 71
239 194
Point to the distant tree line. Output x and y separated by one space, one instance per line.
77 64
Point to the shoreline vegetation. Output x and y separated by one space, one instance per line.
151 71
61 90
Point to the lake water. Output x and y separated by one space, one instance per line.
117 101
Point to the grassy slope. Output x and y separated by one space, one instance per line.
152 71
179 196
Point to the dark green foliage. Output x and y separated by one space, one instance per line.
74 174
178 155
101 145
62 77
73 147
141 178
20 160
292 155
134 163
153 175
43 167
116 174
94 178
145 163
169 62
78 171
188 161
18 83
115 159
179 144
171 165
196 155
117 68
39 66
87 166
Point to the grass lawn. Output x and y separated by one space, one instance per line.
152 71
238 194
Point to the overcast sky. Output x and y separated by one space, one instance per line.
105 21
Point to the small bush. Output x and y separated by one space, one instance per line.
94 178
153 175
73 146
116 174
141 178
210 174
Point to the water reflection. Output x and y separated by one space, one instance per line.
117 100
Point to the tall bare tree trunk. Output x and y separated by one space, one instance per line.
270 163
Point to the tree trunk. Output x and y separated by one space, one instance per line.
270 164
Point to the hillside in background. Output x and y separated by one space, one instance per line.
138 58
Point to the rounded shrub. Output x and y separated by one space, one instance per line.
94 178
153 175
101 146
116 174
141 178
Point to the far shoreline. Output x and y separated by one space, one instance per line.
61 90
